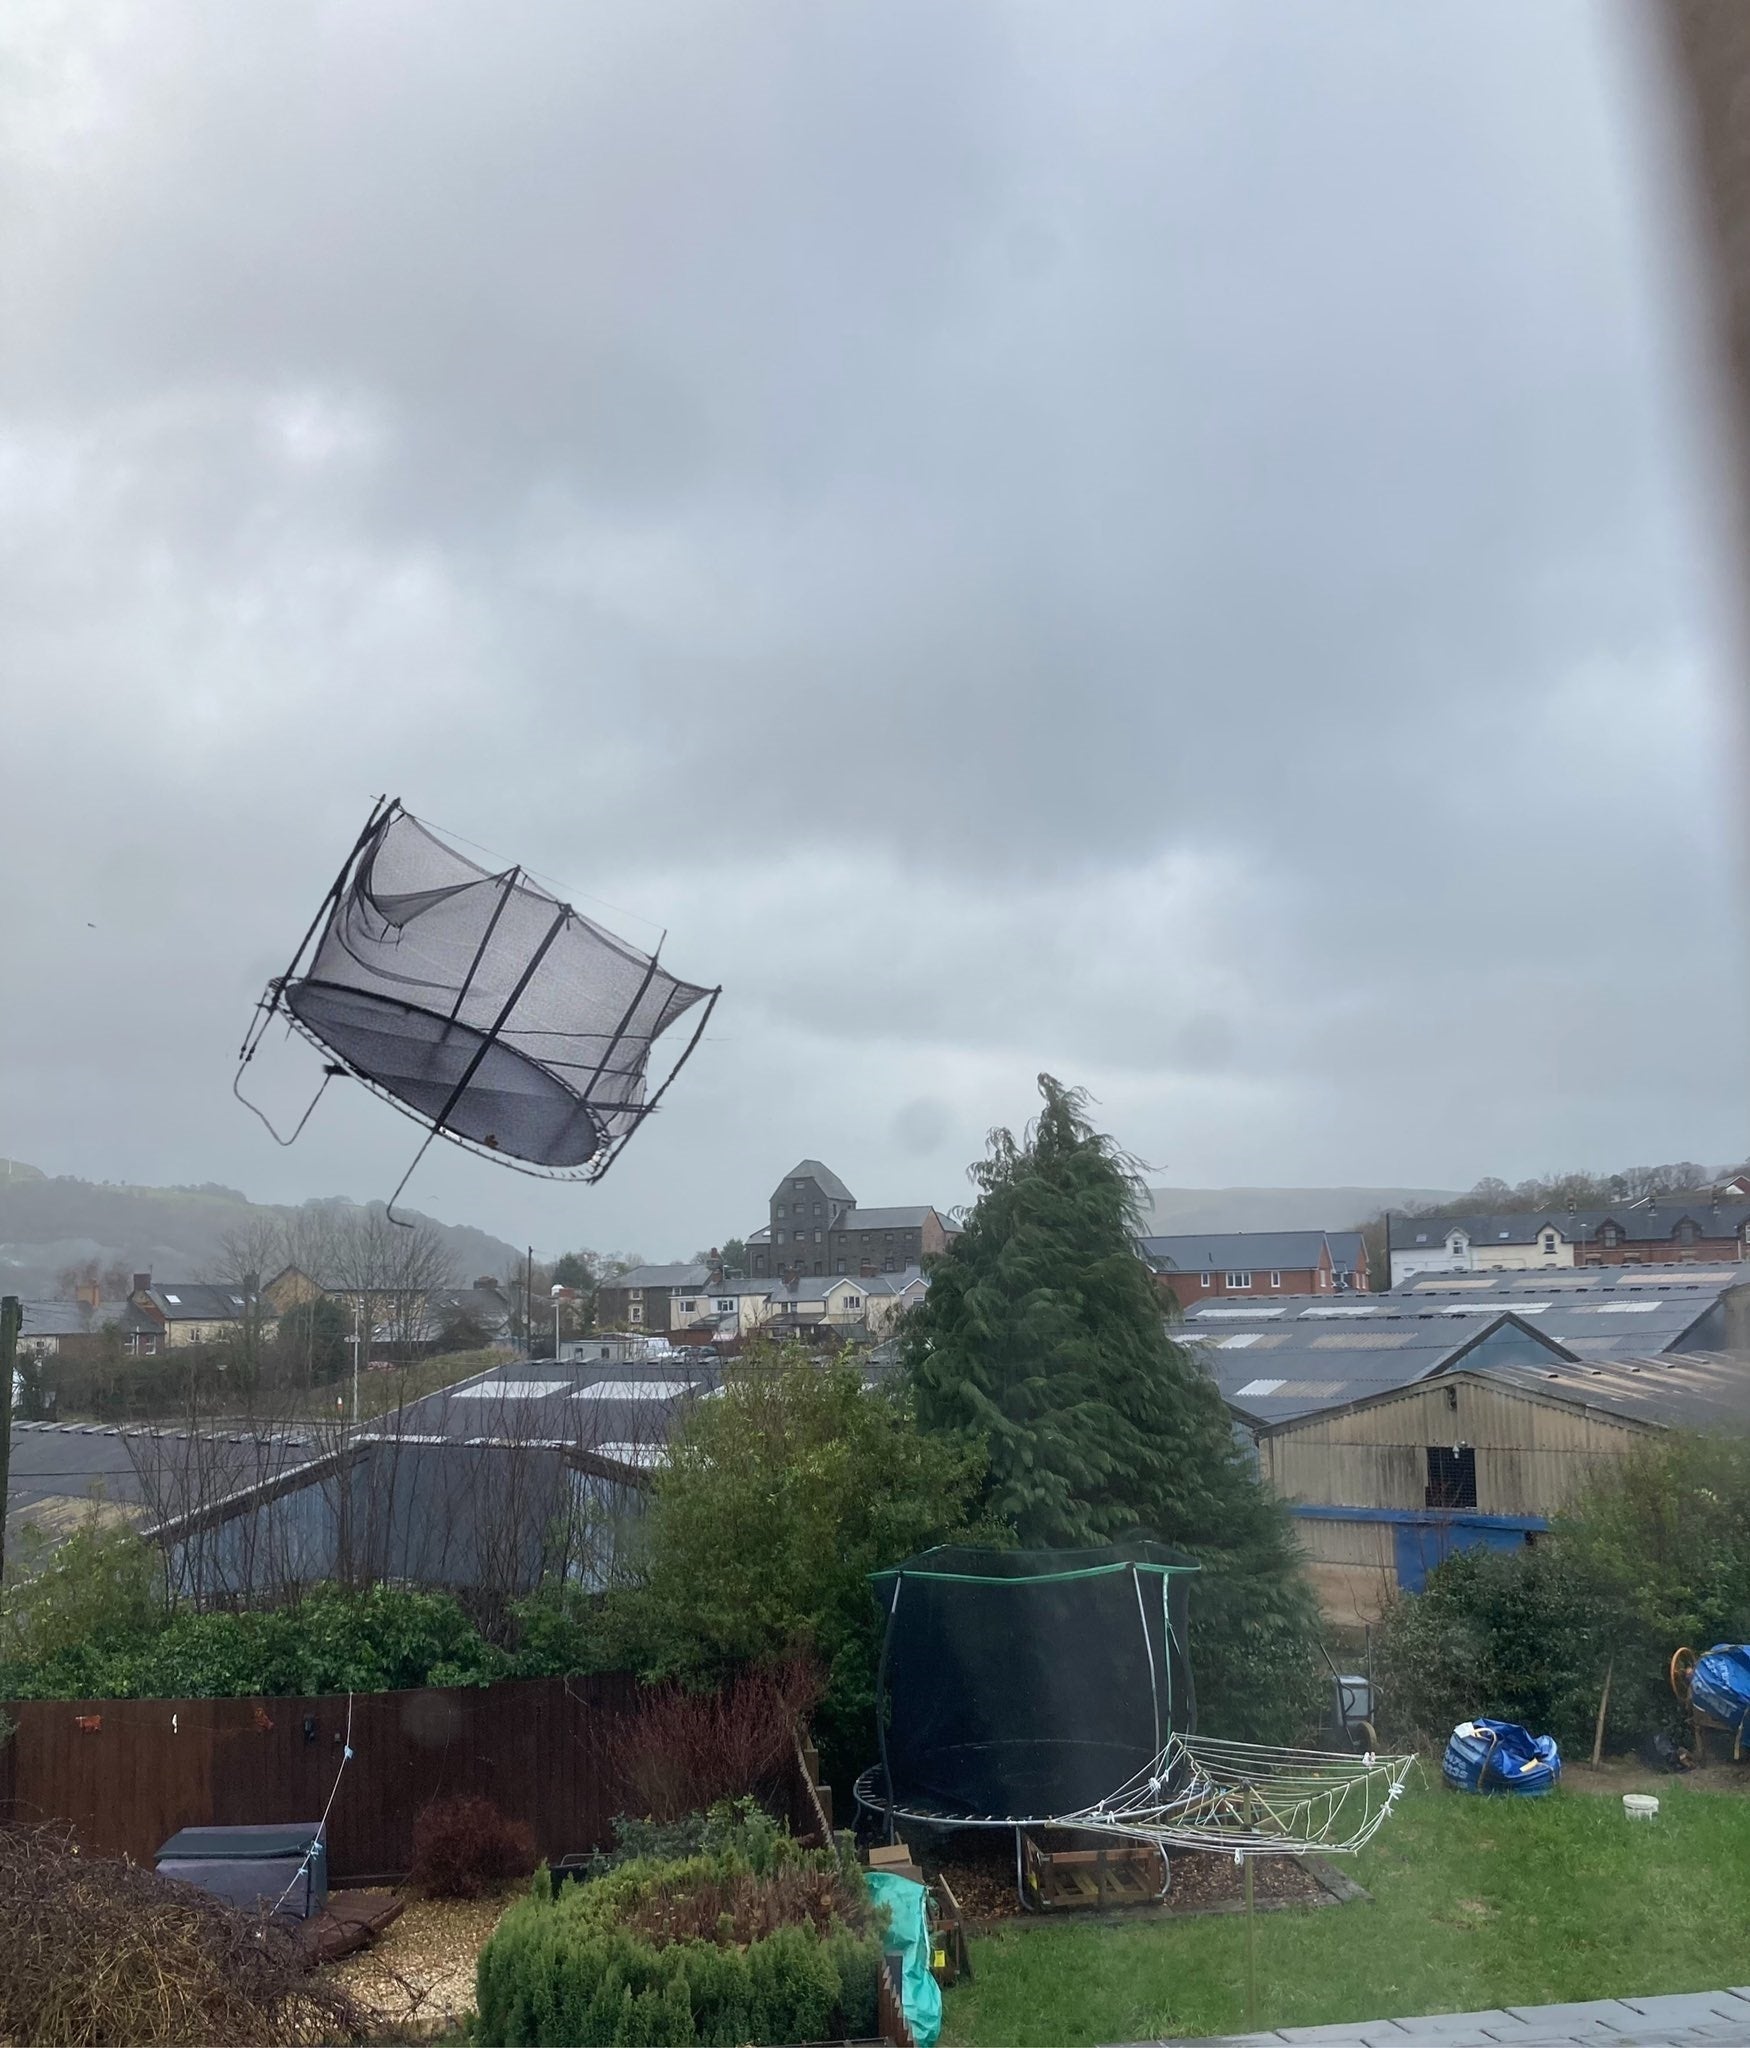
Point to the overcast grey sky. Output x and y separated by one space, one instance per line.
1167 542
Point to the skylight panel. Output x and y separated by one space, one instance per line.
1256 1389
1237 1343
1312 1314
1238 1315
175 1299
1628 1308
512 1390
632 1390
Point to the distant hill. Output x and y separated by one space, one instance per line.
1178 1210
50 1222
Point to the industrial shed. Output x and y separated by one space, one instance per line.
1385 1486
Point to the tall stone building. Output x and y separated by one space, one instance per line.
816 1227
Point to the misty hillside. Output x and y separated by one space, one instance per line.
48 1224
1191 1209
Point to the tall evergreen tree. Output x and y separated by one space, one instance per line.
1043 1338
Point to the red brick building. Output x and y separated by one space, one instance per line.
1247 1264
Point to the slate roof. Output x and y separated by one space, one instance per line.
689 1275
1345 1249
77 1319
1654 1221
911 1217
1410 1233
195 1301
812 1169
1243 1251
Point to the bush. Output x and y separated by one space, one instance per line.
1524 1635
336 1639
1654 1554
464 1848
712 1948
176 1965
682 1751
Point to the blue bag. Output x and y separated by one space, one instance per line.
1500 1756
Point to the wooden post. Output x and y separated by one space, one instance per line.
11 1315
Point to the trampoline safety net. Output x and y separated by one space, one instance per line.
1032 1681
480 1004
1053 1689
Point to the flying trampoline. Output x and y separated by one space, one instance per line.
1052 1689
479 1005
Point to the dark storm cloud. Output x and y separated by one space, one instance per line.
1155 541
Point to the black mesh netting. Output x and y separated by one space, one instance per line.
481 1004
1033 1683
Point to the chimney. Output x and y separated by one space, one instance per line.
141 1282
88 1294
714 1258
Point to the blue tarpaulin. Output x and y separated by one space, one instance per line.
1500 1756
1721 1685
923 1995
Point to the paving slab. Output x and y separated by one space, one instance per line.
1559 2019
1436 2026
1691 2008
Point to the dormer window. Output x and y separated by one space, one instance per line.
1549 1244
1610 1237
1686 1232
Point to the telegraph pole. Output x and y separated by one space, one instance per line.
11 1315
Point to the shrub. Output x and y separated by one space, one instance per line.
1524 1634
464 1847
706 1949
176 1965
683 1750
1655 1553
336 1639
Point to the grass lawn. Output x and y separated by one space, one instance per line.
1476 1903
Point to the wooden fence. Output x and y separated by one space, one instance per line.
126 1774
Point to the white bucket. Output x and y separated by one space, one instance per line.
1639 1806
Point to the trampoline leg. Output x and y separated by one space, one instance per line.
1020 1881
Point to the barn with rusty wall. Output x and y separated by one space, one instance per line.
1385 1486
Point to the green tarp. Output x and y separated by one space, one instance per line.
904 1901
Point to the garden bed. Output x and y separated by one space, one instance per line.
979 1865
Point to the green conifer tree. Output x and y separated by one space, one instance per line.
1043 1338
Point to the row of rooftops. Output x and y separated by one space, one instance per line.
1661 1221
1279 1359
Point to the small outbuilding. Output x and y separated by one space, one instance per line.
1384 1486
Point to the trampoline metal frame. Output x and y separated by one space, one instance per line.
273 1003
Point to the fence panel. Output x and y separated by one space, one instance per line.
126 1774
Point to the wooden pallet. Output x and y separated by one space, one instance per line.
1089 1872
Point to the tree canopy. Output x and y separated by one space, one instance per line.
1043 1343
777 1502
